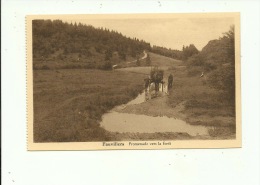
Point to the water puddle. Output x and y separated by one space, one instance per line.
139 99
124 122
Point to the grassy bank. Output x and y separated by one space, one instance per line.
69 103
203 105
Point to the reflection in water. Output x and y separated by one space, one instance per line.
124 122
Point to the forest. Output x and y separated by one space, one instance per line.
58 44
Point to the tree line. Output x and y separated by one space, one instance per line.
61 39
176 54
184 54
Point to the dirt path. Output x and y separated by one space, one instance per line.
157 106
142 58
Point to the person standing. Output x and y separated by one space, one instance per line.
170 79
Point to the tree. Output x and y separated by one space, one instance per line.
122 54
230 35
148 60
133 52
138 63
108 54
188 51
223 78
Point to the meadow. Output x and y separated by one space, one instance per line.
69 103
203 104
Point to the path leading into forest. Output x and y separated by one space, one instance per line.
144 57
134 61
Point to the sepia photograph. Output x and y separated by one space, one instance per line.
130 92
133 81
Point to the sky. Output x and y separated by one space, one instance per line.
167 32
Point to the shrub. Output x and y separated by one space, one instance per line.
224 79
195 71
106 66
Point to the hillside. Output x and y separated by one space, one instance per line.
58 44
216 52
217 60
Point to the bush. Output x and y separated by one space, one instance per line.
195 71
209 66
223 79
195 60
106 66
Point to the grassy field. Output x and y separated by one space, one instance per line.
159 60
69 103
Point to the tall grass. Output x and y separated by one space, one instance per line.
69 104
203 105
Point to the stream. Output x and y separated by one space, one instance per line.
124 122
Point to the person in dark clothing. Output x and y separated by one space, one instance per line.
147 83
170 79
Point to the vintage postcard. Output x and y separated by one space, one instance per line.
133 81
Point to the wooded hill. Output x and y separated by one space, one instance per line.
65 45
217 61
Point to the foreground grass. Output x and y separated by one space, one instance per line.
69 103
203 105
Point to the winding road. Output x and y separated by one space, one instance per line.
144 57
